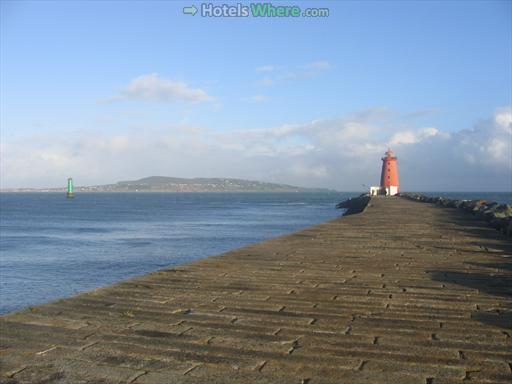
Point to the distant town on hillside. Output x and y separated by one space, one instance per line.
175 184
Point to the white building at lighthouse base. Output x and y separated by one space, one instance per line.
391 190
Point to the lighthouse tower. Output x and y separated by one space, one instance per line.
389 176
70 193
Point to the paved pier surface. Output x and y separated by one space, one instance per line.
403 293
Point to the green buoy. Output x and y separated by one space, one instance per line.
70 193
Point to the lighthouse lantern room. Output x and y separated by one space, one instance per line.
389 185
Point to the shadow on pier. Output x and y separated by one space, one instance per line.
493 278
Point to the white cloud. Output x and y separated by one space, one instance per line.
267 81
422 113
266 68
341 153
152 87
319 65
258 98
283 75
319 171
412 137
503 119
299 75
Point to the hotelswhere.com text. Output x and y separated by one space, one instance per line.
254 10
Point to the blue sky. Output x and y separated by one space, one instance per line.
110 83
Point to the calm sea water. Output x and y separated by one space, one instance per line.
51 247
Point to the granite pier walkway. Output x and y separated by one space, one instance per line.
404 292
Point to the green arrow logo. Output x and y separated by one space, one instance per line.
190 10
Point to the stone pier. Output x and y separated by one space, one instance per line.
404 292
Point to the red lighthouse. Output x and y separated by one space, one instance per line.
389 184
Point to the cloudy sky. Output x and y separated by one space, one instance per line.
108 91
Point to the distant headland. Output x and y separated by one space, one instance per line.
175 184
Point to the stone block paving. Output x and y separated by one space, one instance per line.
404 292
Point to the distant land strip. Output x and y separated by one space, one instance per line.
175 184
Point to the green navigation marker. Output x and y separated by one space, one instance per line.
190 10
70 193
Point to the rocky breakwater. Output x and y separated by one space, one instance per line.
354 204
497 215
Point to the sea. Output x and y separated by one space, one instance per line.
52 247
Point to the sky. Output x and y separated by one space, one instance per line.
109 91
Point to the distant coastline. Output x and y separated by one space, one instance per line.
174 184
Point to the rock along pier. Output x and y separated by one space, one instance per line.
404 292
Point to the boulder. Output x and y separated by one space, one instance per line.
355 204
505 209
475 205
